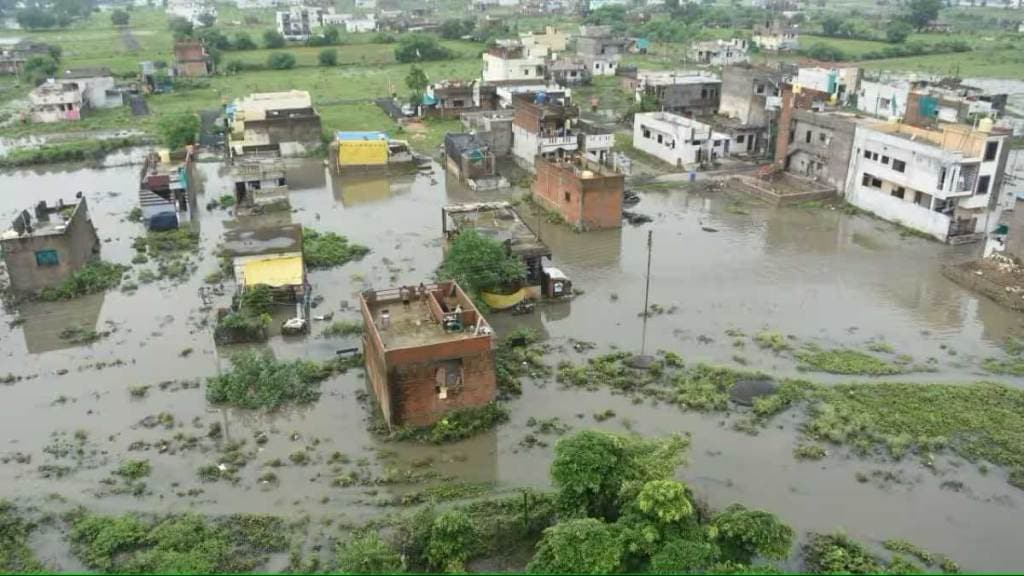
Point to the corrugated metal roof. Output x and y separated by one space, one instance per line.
348 136
274 272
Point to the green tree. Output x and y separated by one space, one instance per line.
180 27
663 510
452 536
214 39
831 24
243 41
368 554
480 263
280 61
178 130
328 57
273 39
38 68
684 555
921 12
897 31
420 48
579 546
743 534
596 473
331 35
119 18
206 19
35 18
453 28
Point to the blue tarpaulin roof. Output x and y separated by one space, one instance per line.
642 43
349 136
428 100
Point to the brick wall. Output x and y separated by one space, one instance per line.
585 203
414 396
74 248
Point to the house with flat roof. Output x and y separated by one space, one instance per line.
501 222
678 91
493 128
167 189
678 140
55 102
543 125
719 52
947 183
776 36
513 62
600 49
471 161
98 88
588 195
261 185
14 54
273 123
428 351
840 83
552 40
268 255
367 150
451 98
42 248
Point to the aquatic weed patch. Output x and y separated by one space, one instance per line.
1012 364
519 355
844 361
15 554
186 543
258 381
457 424
699 387
94 277
329 250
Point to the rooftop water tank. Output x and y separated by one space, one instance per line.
985 125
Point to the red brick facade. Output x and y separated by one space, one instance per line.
590 203
405 380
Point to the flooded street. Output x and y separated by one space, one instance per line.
823 276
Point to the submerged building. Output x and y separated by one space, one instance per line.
428 351
587 194
42 248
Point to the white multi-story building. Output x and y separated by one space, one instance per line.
945 183
543 124
299 22
678 140
883 99
96 85
55 102
719 52
776 37
513 63
194 11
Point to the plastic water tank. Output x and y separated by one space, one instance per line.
985 125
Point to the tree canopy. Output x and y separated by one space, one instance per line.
119 18
178 130
480 263
579 546
921 12
420 48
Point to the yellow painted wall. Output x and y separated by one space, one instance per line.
363 153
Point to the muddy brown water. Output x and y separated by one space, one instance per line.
819 275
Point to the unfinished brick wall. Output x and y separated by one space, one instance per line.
589 203
414 396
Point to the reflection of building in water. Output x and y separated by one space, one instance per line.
41 251
306 174
352 190
577 252
46 321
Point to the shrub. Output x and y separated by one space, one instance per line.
581 546
368 554
420 48
259 381
328 250
451 537
15 554
281 61
273 39
92 278
328 57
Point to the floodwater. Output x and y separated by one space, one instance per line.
819 275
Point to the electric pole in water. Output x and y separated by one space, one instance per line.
646 294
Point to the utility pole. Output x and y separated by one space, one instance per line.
647 289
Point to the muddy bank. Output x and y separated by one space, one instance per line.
825 277
999 277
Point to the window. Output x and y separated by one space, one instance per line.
46 258
899 192
942 179
885 159
447 378
647 133
807 137
991 149
740 139
983 183
822 137
567 195
867 154
792 136
659 138
899 165
526 71
871 181
759 90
